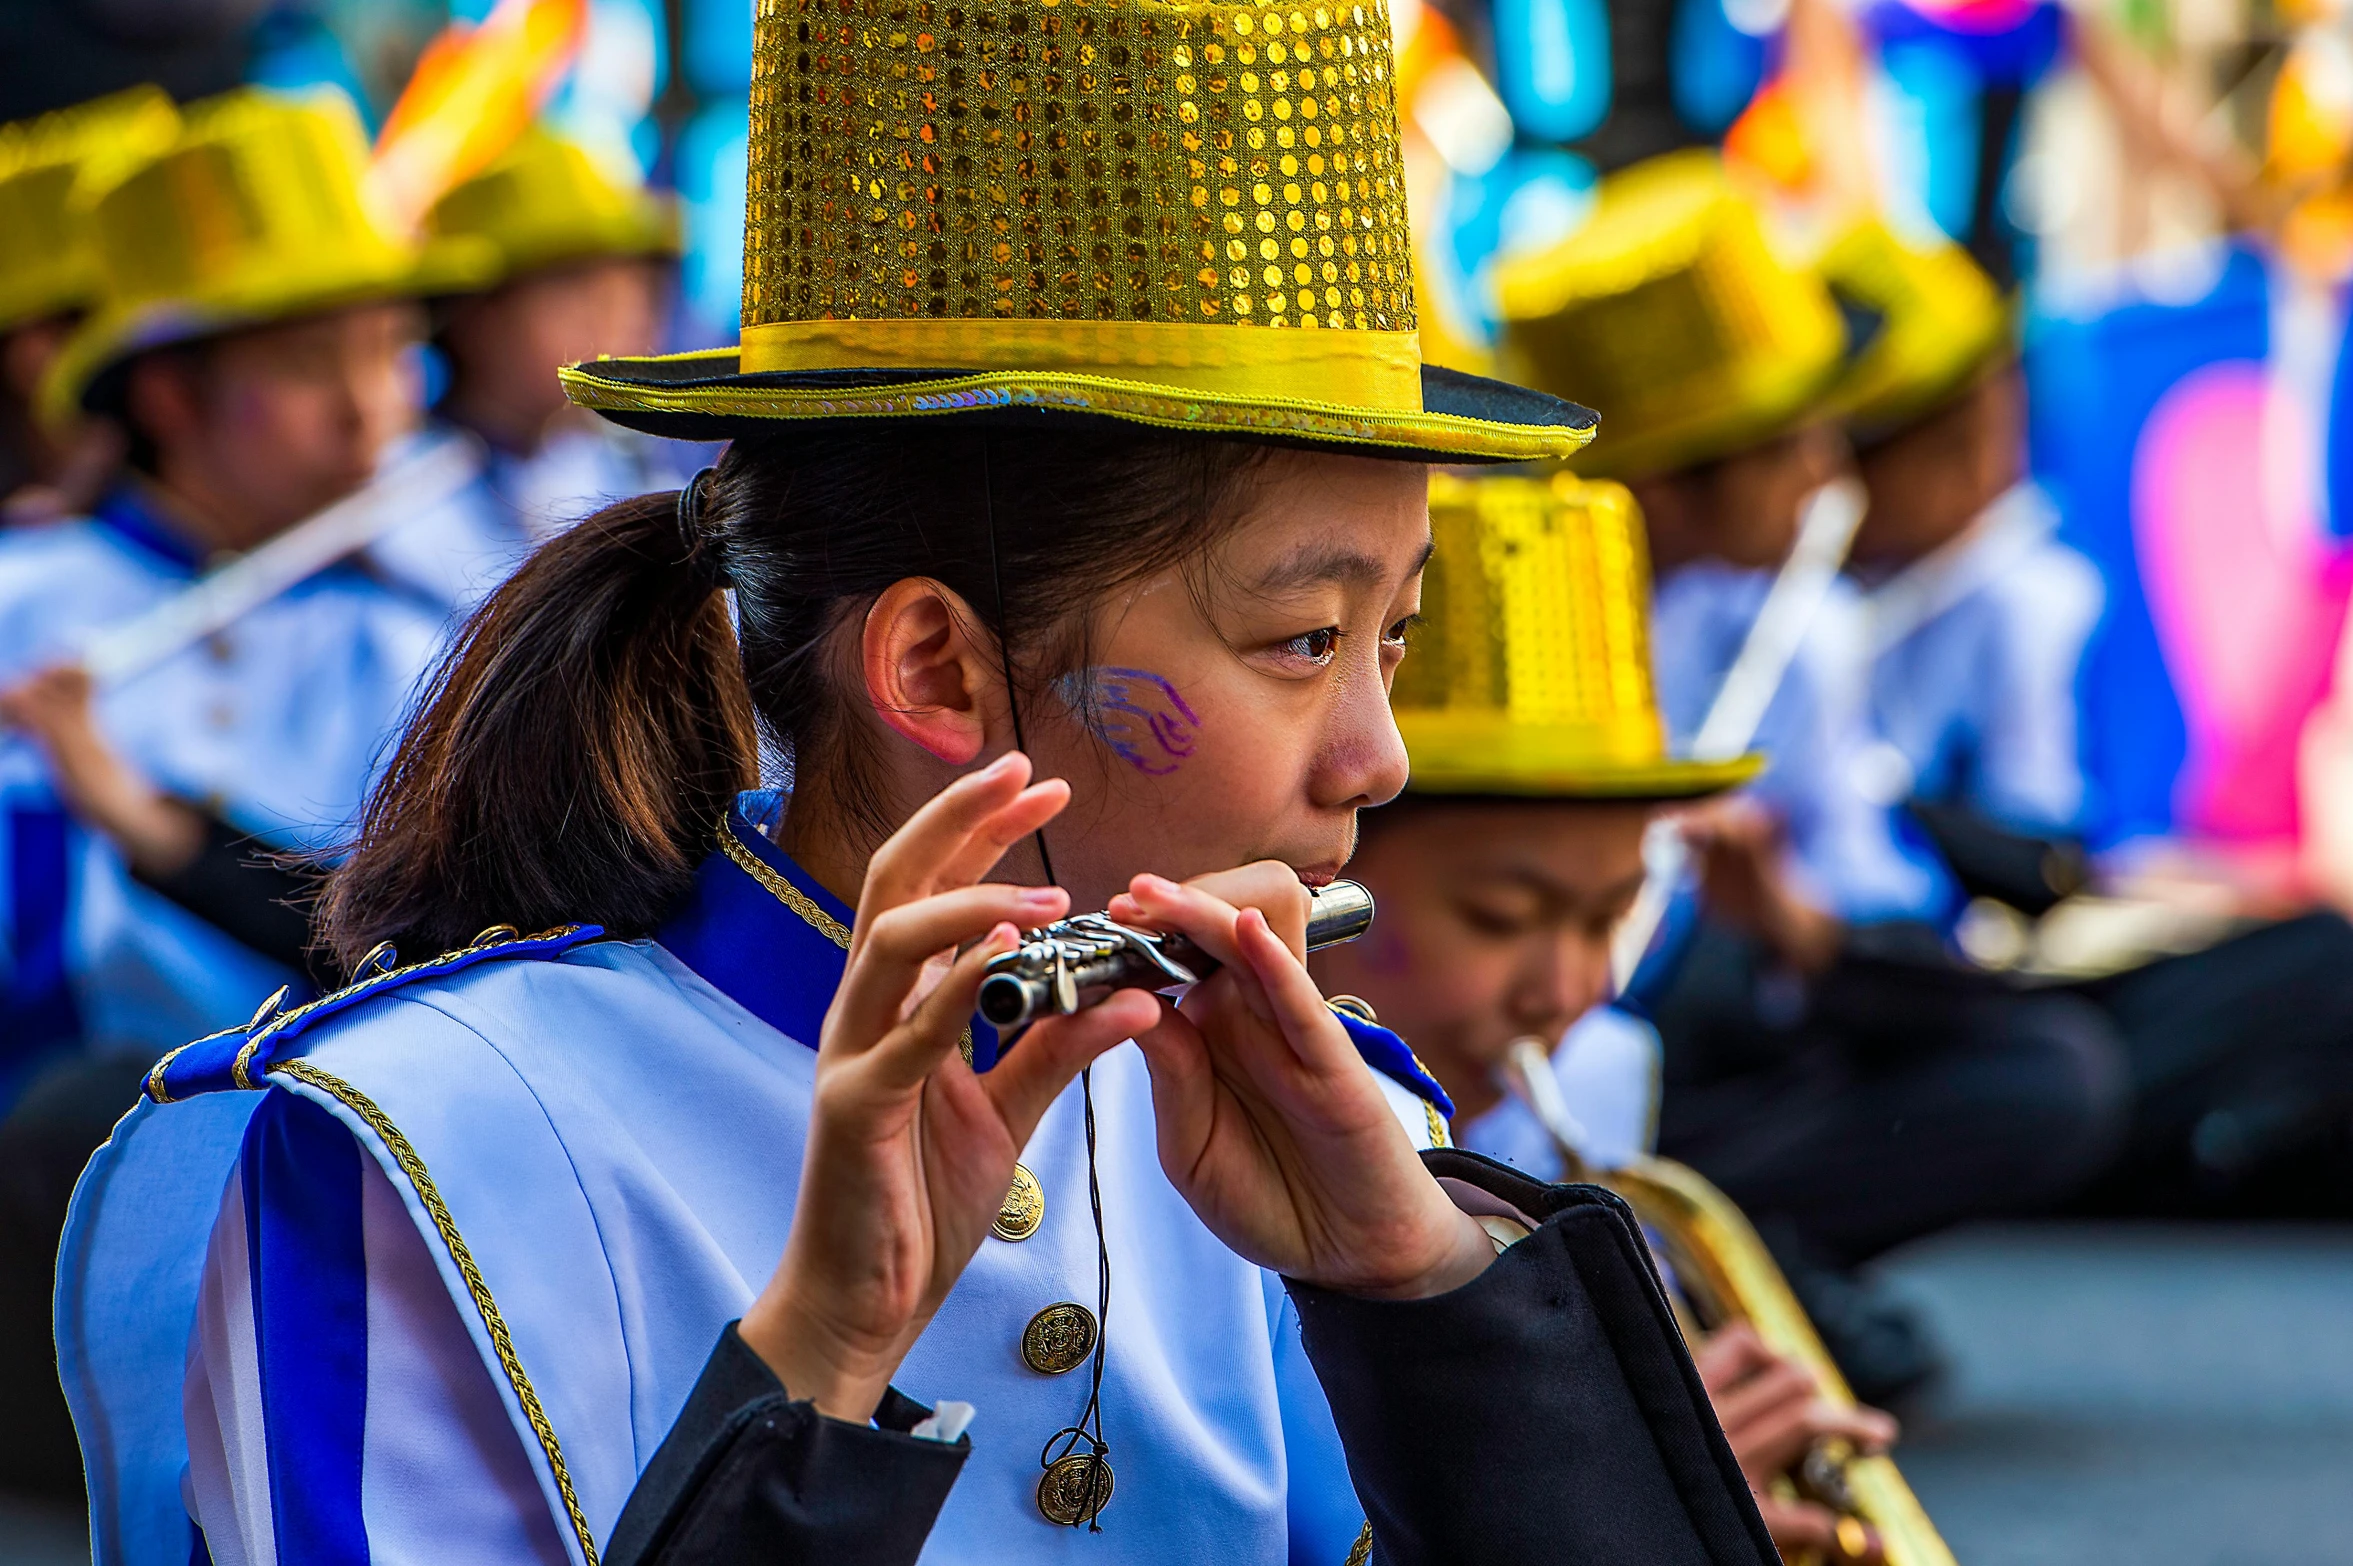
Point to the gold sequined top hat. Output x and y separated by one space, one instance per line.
1937 321
255 214
547 201
1159 212
1669 310
46 268
1531 671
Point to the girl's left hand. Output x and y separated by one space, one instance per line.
1270 1123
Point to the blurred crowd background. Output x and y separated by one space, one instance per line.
2163 181
2155 200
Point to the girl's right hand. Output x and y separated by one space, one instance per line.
910 1153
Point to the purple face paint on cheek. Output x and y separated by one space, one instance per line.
1135 712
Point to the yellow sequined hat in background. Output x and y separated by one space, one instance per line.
1034 212
547 201
1530 672
1669 311
253 215
46 269
1939 322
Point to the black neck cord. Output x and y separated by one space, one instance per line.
1088 1429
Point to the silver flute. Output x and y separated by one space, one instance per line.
1065 965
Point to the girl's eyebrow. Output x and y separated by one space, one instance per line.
1316 564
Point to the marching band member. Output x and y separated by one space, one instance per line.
1539 759
251 342
1828 1062
1977 619
257 375
580 263
48 278
661 1216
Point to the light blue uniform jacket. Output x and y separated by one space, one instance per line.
1975 653
278 723
1843 834
606 1140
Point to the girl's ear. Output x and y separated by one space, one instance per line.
931 671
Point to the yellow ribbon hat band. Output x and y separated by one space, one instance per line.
1365 369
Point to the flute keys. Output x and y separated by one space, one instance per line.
1024 1207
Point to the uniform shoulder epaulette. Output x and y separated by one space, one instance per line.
238 1057
1389 1054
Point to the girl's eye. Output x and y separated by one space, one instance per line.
1398 634
1315 646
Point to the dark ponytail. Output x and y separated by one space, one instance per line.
586 735
593 709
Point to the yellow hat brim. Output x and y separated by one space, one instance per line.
1944 325
111 335
1490 754
701 396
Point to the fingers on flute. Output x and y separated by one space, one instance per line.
895 943
1290 996
1183 1085
906 1054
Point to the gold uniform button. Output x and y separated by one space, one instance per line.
1058 1339
1074 1489
1024 1207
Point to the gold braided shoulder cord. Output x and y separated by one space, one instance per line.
500 1339
783 890
799 902
1362 1551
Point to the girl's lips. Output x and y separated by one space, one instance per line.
1313 876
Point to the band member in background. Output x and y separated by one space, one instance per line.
1539 760
254 378
1976 622
48 278
1830 1061
581 261
707 1241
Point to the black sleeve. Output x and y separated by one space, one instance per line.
746 1474
1547 1412
232 886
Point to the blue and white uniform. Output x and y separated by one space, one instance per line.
487 1220
457 551
278 723
1974 655
1849 851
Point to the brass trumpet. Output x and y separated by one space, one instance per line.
1721 1273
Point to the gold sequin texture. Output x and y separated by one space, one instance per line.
1074 1489
1058 1339
1128 160
1024 1207
1535 602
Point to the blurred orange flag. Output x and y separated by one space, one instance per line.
475 89
1770 137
